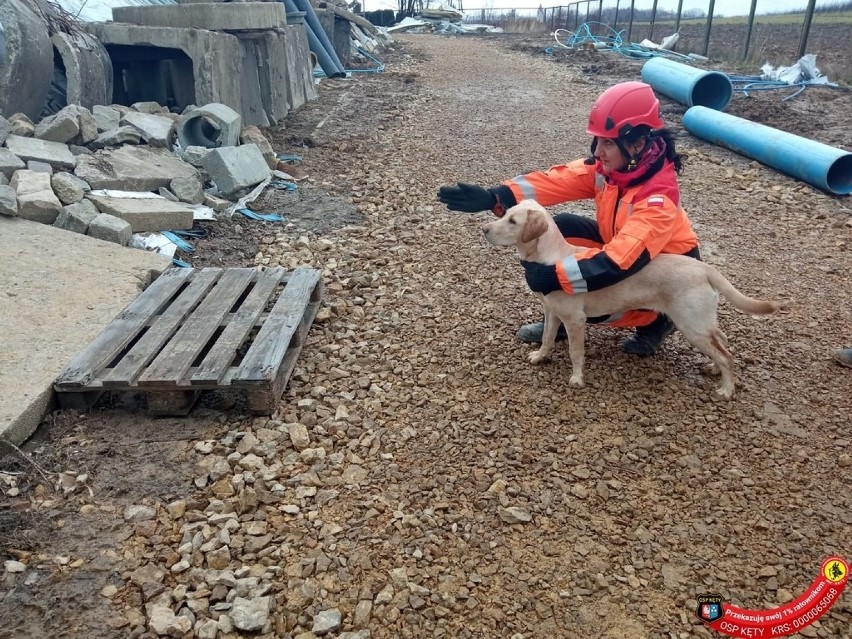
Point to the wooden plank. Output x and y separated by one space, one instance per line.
217 361
121 331
265 401
162 328
170 366
263 359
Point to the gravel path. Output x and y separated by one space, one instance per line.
422 480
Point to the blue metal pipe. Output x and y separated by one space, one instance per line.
688 85
825 167
314 23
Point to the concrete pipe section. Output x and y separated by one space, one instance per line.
688 85
87 68
27 67
211 126
825 167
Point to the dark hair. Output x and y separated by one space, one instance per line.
644 131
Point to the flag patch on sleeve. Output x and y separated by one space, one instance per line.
656 200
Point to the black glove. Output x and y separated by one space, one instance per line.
467 197
541 278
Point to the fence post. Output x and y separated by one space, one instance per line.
588 9
653 20
809 15
600 11
630 26
709 26
679 10
749 28
615 22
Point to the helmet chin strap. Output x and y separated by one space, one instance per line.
632 160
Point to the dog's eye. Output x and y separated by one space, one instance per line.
512 220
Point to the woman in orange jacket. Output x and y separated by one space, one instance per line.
632 176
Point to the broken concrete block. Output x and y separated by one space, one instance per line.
117 137
110 228
9 163
151 108
216 203
252 135
4 181
61 127
132 168
213 125
77 217
39 167
79 150
194 155
36 200
147 214
54 153
21 125
188 189
107 118
233 168
156 130
88 124
68 187
8 201
168 194
5 129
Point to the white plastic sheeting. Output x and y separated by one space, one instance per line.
101 10
804 71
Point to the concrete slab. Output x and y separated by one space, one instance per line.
148 214
54 153
132 168
213 16
59 290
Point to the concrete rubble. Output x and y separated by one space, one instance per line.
115 170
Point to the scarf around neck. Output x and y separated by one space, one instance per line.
651 162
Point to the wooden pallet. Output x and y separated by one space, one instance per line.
200 329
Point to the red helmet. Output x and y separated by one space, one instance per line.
622 107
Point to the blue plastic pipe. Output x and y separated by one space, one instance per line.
825 167
688 85
330 65
313 22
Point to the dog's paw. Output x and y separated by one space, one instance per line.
576 381
710 369
537 357
724 393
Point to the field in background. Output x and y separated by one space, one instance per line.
774 39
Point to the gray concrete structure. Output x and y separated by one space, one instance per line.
88 69
106 117
9 163
175 67
8 201
27 67
210 126
212 16
44 302
36 199
60 127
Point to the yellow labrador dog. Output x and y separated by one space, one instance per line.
681 287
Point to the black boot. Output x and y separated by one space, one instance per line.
531 333
648 339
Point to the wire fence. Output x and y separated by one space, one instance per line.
571 16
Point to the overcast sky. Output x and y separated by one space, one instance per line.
723 7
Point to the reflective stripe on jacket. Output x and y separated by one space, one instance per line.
644 221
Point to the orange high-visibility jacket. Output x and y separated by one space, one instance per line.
635 225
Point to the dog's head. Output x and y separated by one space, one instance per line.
521 224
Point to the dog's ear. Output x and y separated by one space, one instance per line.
536 225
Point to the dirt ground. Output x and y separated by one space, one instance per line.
385 486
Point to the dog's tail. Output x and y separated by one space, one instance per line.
741 302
